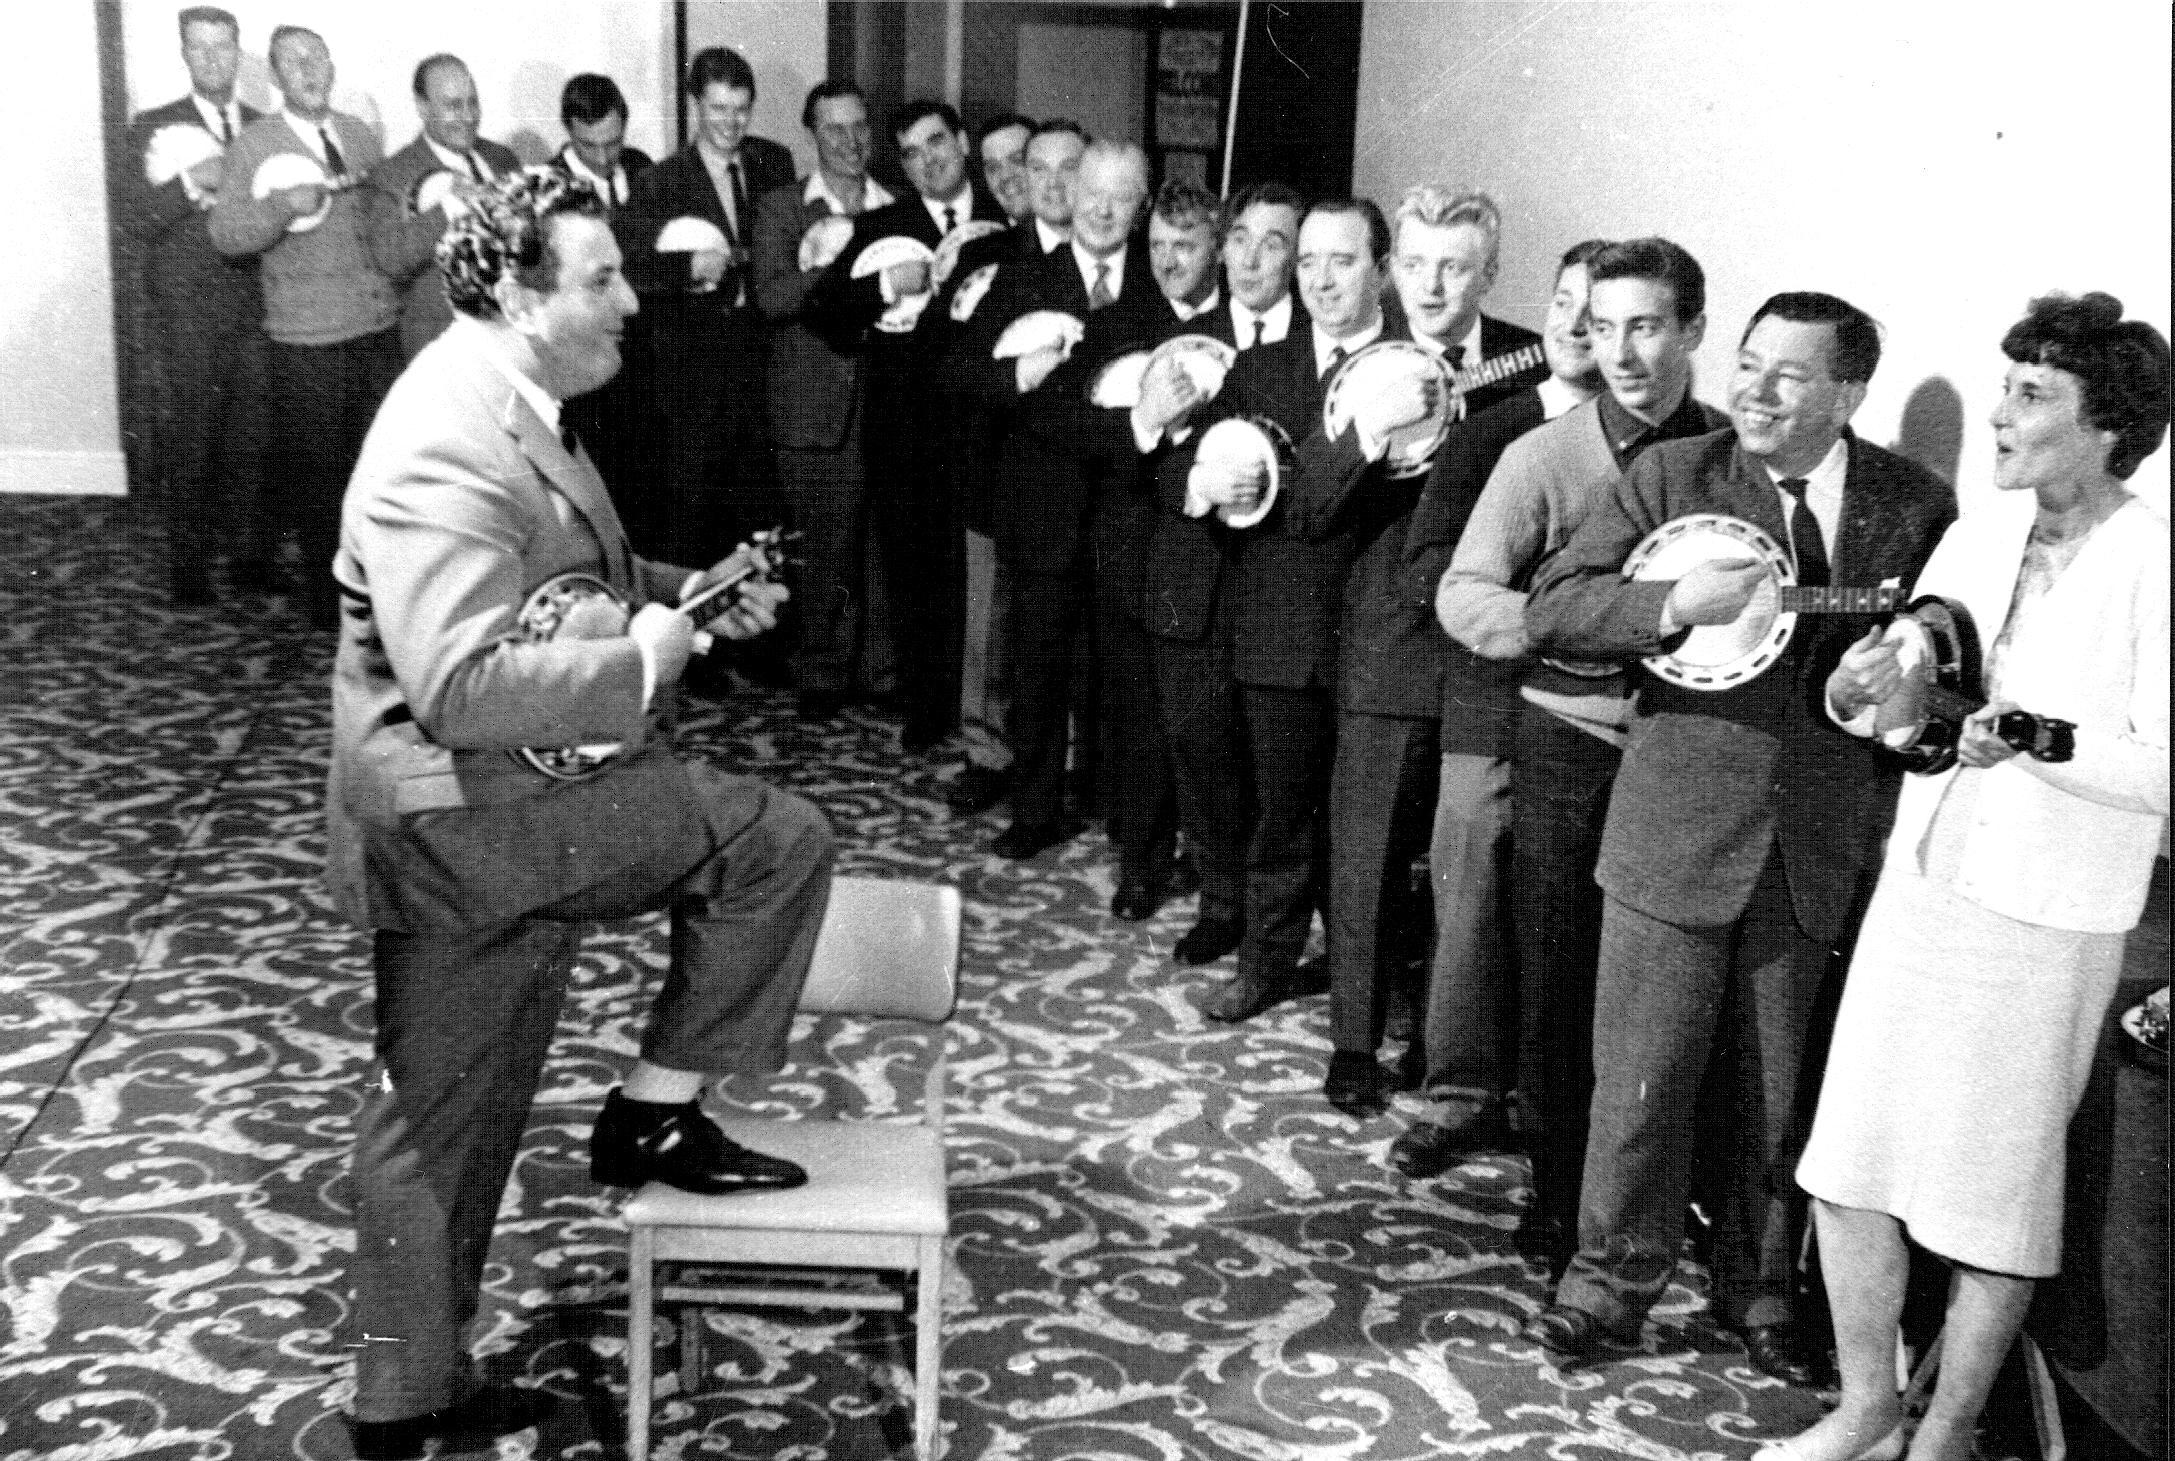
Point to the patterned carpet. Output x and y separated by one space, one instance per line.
1167 1246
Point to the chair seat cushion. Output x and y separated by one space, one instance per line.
863 1177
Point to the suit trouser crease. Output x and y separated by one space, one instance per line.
1291 735
1381 802
1204 726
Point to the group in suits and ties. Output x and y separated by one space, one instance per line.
404 242
202 313
1773 818
465 500
705 336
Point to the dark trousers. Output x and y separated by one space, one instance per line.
211 440
925 570
326 396
1559 789
1381 805
1204 725
1049 628
839 642
1142 802
1291 737
719 483
1469 1029
468 995
1658 1005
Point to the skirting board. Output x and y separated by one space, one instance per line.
68 473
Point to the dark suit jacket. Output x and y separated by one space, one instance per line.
404 243
1058 448
190 284
814 386
1499 338
1709 781
633 161
686 327
1479 696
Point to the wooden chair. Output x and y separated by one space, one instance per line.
874 1206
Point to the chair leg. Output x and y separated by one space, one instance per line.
928 1347
641 1312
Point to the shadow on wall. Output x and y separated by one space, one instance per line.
1931 431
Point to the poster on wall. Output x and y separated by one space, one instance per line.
1188 102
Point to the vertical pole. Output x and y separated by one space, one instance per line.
955 50
1231 119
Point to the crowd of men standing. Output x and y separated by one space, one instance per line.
1649 885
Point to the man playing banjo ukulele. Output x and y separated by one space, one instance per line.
1743 829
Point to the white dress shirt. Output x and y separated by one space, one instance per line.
1275 322
1823 494
613 192
1088 263
818 189
1050 238
961 205
469 165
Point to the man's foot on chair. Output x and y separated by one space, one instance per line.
639 1141
493 1411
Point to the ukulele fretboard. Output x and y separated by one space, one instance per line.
1797 599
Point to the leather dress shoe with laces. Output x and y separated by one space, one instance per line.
1774 1349
639 1141
1210 938
1573 1333
1354 1083
493 1411
1021 841
1250 994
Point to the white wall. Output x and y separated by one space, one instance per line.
59 418
1936 165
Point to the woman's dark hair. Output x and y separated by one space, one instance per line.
2121 368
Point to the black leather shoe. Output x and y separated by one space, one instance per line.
1021 841
1425 1149
1544 1241
1573 1333
1248 995
1412 1067
1134 902
1774 1350
819 704
636 1142
493 1411
1354 1083
919 737
1208 940
975 790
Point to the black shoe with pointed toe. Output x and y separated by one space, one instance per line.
638 1141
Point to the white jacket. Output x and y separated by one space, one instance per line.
2069 845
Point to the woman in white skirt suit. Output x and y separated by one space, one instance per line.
1990 953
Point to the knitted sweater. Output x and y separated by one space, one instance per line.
320 287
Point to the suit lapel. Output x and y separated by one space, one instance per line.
1754 497
1857 540
576 480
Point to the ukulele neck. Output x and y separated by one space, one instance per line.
1797 599
717 597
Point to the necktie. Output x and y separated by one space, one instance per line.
1805 540
951 217
740 199
1100 295
569 437
226 127
1336 358
334 162
478 168
1259 325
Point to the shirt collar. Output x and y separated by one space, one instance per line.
1628 435
1470 345
962 201
1557 397
1325 347
541 401
1275 321
580 169
1825 478
457 162
1186 312
230 114
308 131
818 189
1050 238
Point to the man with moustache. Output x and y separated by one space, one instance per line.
330 313
473 872
1042 185
404 243
1286 592
1643 305
1744 828
1388 765
202 314
818 408
1470 1030
1187 586
1056 456
706 338
907 338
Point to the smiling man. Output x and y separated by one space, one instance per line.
328 308
404 239
1743 829
465 501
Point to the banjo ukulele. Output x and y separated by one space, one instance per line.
583 606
